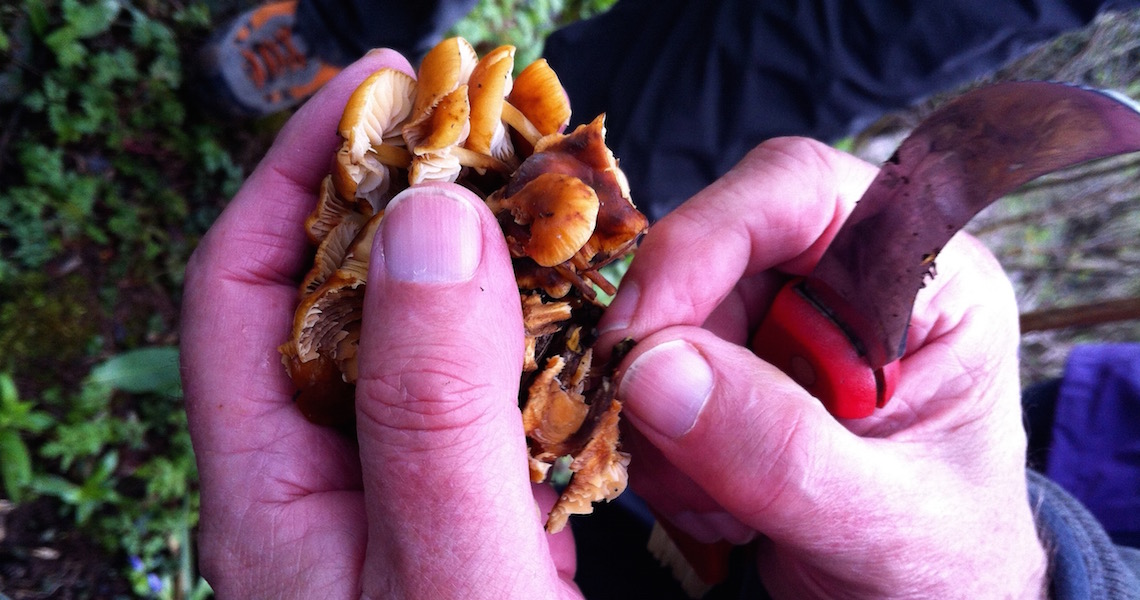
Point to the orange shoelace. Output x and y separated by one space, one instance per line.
269 59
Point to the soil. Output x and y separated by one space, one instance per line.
42 556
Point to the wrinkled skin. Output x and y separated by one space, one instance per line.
927 497
436 500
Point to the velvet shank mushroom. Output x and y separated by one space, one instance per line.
373 147
565 210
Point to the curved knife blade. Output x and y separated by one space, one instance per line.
963 157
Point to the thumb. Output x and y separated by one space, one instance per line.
442 447
745 433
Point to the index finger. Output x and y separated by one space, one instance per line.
778 208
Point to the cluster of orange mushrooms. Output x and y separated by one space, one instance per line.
565 210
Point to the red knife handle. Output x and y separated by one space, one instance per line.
808 345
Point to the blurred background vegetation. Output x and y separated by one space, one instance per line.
109 176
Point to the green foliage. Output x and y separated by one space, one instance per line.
108 181
124 472
17 419
95 491
117 164
146 370
524 24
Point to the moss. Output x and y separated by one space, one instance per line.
47 325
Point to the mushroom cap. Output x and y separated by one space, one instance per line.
331 253
561 211
376 110
447 125
538 94
599 470
583 153
489 84
372 118
553 413
444 68
326 322
331 209
434 137
323 396
531 276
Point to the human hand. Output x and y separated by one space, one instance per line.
434 499
925 498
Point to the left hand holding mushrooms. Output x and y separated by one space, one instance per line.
434 498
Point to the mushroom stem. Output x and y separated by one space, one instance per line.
392 156
575 278
478 160
600 280
514 117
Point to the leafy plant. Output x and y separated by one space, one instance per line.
127 476
106 170
17 419
89 495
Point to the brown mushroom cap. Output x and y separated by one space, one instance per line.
326 323
490 83
599 472
561 211
331 210
554 412
583 153
444 68
436 139
538 94
331 253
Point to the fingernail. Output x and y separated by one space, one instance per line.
619 313
666 387
430 235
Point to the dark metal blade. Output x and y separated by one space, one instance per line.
962 158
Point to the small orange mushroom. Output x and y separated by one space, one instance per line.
489 85
537 105
435 140
370 126
326 325
331 210
564 208
561 211
443 69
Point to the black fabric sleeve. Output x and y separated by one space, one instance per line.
1083 562
689 86
341 31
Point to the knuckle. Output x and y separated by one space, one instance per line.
435 388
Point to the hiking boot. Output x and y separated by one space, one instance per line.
255 66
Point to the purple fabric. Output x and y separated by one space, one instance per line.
1096 436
